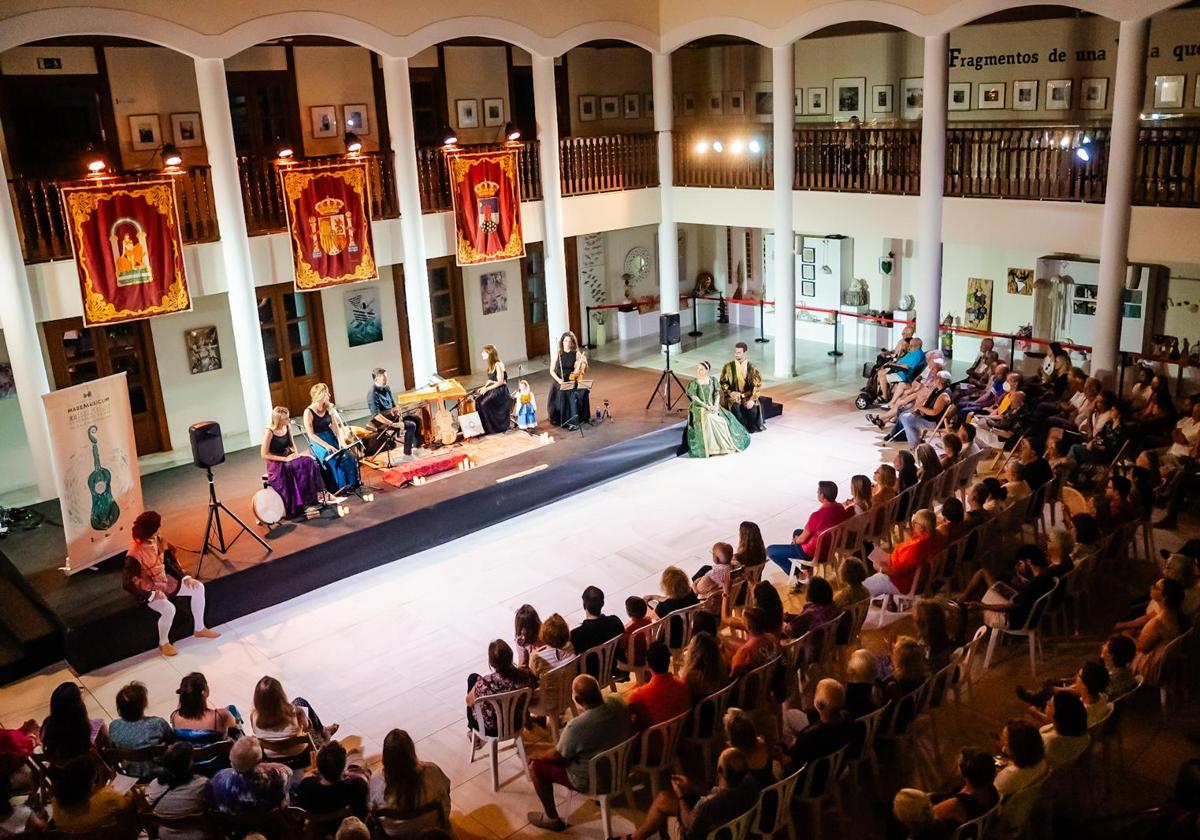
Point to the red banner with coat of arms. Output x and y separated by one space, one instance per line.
487 207
128 249
329 222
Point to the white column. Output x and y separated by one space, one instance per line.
668 238
783 73
545 106
235 243
24 348
1118 196
927 287
398 95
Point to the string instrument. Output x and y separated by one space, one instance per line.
105 511
442 424
442 427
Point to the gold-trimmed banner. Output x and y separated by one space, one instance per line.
329 223
487 206
128 249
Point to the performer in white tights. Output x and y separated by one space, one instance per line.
153 576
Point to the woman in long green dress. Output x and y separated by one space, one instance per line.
712 430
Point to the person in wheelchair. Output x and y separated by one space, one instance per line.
904 370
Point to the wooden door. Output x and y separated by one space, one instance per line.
571 265
428 88
450 340
533 297
79 354
401 296
293 336
264 111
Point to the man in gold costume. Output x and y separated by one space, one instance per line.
740 383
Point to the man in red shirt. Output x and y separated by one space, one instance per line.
664 697
895 575
804 543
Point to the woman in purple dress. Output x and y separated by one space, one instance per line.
295 476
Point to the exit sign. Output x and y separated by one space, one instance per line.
49 63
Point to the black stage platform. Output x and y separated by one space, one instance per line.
100 624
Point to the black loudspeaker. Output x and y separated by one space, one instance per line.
208 450
668 329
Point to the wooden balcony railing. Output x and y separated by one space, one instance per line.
1167 171
42 219
874 160
1026 163
697 164
604 164
434 179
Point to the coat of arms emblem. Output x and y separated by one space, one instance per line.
332 230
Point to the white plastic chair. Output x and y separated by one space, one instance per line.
1030 630
866 753
511 709
774 812
608 775
640 639
659 744
704 724
821 780
685 620
979 828
554 694
737 828
600 661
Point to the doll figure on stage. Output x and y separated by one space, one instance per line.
526 406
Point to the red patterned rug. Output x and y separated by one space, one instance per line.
401 475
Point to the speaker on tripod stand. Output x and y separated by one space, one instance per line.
668 334
208 450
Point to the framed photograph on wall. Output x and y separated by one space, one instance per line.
848 98
715 104
735 102
1058 95
1168 92
648 104
1093 94
764 100
808 255
1196 95
816 101
808 271
687 107
203 349
808 288
145 133
610 107
355 118
632 106
958 98
493 112
467 111
1025 95
363 322
881 99
324 120
186 130
798 102
912 98
587 108
991 95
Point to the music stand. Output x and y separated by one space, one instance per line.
663 387
575 423
215 508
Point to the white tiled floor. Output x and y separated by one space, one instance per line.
392 647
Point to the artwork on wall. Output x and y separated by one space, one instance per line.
610 107
1168 91
467 111
493 112
912 98
735 102
959 97
587 108
633 106
203 349
1058 95
798 102
1025 95
764 100
355 118
808 288
815 102
808 255
808 271
881 99
648 104
1196 95
186 130
848 98
687 106
979 304
493 291
991 95
715 104
324 120
1095 94
145 133
1020 281
363 325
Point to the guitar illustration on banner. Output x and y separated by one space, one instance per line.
105 511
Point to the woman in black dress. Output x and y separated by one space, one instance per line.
572 405
493 401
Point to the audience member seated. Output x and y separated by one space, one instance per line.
885 488
759 648
902 371
803 546
596 627
851 575
1154 636
553 645
676 594
704 670
133 730
1009 604
990 395
978 793
818 609
831 729
68 731
907 396
194 720
1117 654
17 747
860 495
406 783
1030 452
981 368
952 521
179 792
913 809
700 814
741 735
929 466
1105 438
602 723
527 629
905 466
712 579
751 550
1180 462
1016 487
1005 430
910 669
339 781
249 785
665 696
1182 569
862 684
274 717
928 412
505 676
930 619
977 512
1022 763
80 806
21 815
1089 684
895 575
1065 738
952 446
637 610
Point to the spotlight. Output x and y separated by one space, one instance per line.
1084 152
702 147
285 152
353 143
735 147
449 138
1065 142
754 146
718 146
170 155
97 166
511 132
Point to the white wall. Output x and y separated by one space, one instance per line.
504 329
476 73
152 80
15 469
336 76
613 71
350 367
